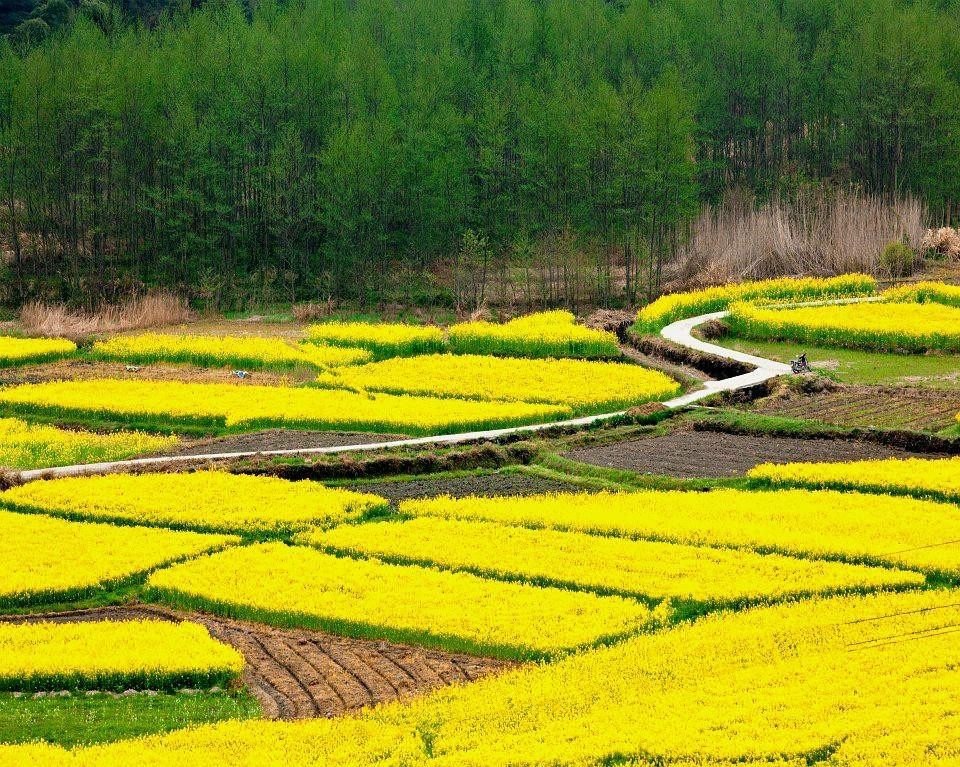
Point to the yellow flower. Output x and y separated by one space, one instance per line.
17 351
213 351
297 586
545 334
645 569
937 478
677 306
383 339
784 685
249 407
46 558
27 446
219 502
113 655
879 326
925 292
582 385
851 526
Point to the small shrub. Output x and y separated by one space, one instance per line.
898 259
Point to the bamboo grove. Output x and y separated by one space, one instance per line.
348 148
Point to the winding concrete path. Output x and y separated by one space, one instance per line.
679 332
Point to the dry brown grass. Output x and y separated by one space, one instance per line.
149 311
815 232
945 241
312 311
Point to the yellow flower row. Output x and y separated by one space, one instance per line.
545 334
644 569
46 558
878 326
855 527
209 501
782 685
113 655
935 478
382 339
297 586
924 293
18 351
584 386
678 306
31 446
213 351
247 407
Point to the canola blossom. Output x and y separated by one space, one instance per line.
816 681
208 501
217 351
937 478
925 293
544 334
46 558
606 565
854 527
113 655
382 339
33 446
886 326
172 403
585 386
677 306
298 586
20 351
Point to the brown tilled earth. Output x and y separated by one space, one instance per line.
83 370
865 406
279 439
689 454
300 674
486 485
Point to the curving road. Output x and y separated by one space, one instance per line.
679 333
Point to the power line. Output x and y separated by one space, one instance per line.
897 615
901 641
904 634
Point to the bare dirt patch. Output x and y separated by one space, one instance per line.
485 485
280 439
869 406
689 454
299 674
83 370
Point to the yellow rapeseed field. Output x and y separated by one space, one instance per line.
248 407
208 501
678 306
113 655
849 681
859 528
603 564
544 334
382 339
298 586
46 558
214 351
32 446
18 351
882 326
925 292
584 386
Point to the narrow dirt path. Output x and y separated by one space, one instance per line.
300 674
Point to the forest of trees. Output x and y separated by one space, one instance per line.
355 148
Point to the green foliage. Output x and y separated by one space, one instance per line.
288 151
78 719
898 259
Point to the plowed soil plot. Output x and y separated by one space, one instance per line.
280 439
297 674
477 484
885 408
690 454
